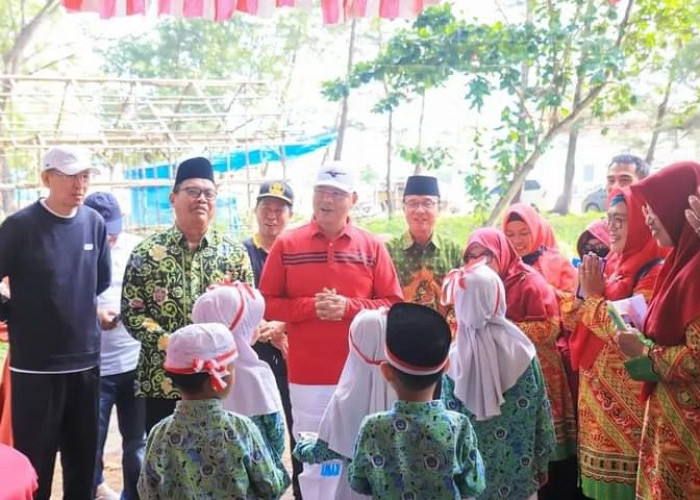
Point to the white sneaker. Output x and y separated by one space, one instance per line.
104 492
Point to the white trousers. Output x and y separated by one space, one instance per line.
328 480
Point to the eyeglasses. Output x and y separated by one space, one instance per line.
416 204
594 248
615 221
472 256
336 194
195 193
82 177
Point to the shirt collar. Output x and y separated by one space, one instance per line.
421 408
178 237
407 241
316 229
256 242
198 407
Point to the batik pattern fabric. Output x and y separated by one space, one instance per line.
516 445
273 431
568 310
544 335
421 269
669 460
610 414
315 451
417 451
162 281
204 451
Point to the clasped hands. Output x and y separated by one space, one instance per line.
590 276
329 305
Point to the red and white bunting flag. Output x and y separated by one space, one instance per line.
107 8
334 11
338 11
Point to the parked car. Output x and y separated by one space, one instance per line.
533 194
595 201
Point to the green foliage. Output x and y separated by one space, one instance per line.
662 40
368 175
476 178
567 228
430 158
15 15
243 48
568 44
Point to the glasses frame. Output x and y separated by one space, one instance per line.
195 193
426 204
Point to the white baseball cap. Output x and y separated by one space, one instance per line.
335 174
67 160
201 348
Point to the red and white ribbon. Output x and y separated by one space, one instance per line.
215 367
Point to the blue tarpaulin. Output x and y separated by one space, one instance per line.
150 206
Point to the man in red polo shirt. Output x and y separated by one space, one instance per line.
316 279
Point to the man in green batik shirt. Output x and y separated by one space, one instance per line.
422 257
167 272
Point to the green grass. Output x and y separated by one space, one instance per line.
567 228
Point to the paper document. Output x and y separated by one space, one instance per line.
633 310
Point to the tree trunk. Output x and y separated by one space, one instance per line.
660 114
389 191
13 60
526 167
421 118
564 202
344 108
524 81
522 170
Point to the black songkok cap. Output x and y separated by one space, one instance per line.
417 339
423 185
194 168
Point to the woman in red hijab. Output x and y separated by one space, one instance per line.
533 239
610 415
667 357
532 306
595 239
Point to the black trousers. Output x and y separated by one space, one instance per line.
58 411
273 357
157 409
562 482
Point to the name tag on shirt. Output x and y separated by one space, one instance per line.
88 246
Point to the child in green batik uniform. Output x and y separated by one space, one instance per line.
202 450
418 449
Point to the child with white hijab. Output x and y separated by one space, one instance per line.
361 391
496 380
255 395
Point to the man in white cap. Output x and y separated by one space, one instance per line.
316 279
56 255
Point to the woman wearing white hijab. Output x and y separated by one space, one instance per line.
361 391
254 393
495 379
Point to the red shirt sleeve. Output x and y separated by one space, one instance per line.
386 289
273 286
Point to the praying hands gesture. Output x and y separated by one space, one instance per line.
692 214
590 276
330 306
